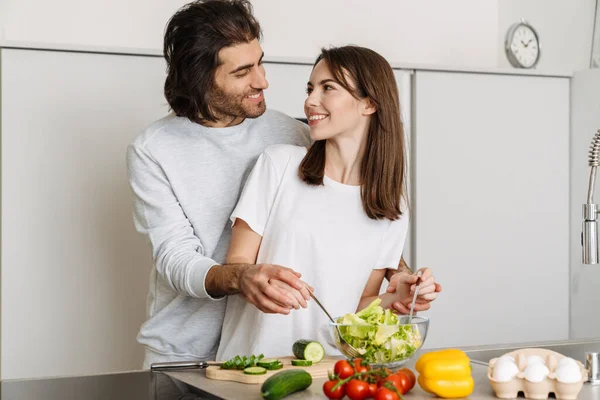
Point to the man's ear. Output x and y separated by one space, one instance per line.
369 107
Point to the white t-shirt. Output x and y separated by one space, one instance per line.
322 232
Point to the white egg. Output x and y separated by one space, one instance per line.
568 373
504 370
567 360
534 360
507 358
503 360
536 372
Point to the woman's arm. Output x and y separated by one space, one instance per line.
371 291
244 245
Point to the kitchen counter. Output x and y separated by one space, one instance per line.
193 384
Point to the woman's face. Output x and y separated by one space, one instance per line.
330 109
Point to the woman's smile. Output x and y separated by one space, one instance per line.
314 119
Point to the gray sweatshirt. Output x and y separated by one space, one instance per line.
186 180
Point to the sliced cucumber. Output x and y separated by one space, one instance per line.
302 363
285 383
276 366
255 371
268 362
308 350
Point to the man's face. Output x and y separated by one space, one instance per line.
239 84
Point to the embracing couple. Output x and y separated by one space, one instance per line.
247 209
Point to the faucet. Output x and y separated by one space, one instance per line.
589 235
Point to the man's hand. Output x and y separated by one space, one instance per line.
405 282
271 288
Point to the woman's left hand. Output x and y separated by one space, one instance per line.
300 296
428 290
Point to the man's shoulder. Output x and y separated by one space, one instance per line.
281 128
276 116
161 130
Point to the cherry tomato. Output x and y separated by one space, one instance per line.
385 394
380 379
405 383
395 380
338 393
411 376
372 389
358 367
343 369
357 390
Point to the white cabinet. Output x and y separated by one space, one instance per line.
585 279
74 271
492 199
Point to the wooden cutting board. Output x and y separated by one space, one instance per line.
316 371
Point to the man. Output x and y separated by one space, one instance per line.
187 170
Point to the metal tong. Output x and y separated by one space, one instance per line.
414 300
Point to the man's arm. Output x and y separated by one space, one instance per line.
178 253
403 276
371 292
253 282
402 267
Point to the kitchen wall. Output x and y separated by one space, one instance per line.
468 33
565 29
448 33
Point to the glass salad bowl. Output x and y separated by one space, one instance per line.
383 338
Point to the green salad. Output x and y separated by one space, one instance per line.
377 335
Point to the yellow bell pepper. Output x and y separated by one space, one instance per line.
445 373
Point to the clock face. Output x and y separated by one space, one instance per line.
524 47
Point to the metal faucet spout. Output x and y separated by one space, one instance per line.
589 235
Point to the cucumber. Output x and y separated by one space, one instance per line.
308 350
255 371
274 367
302 363
285 383
268 363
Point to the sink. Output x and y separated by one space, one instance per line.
575 349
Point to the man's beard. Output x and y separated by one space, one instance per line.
225 105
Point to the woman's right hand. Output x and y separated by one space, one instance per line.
299 298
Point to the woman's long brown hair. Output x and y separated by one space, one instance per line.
383 167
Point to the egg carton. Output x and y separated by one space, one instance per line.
536 390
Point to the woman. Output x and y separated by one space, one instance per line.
337 212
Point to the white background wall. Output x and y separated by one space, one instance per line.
428 32
467 33
565 29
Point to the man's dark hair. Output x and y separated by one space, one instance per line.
193 38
